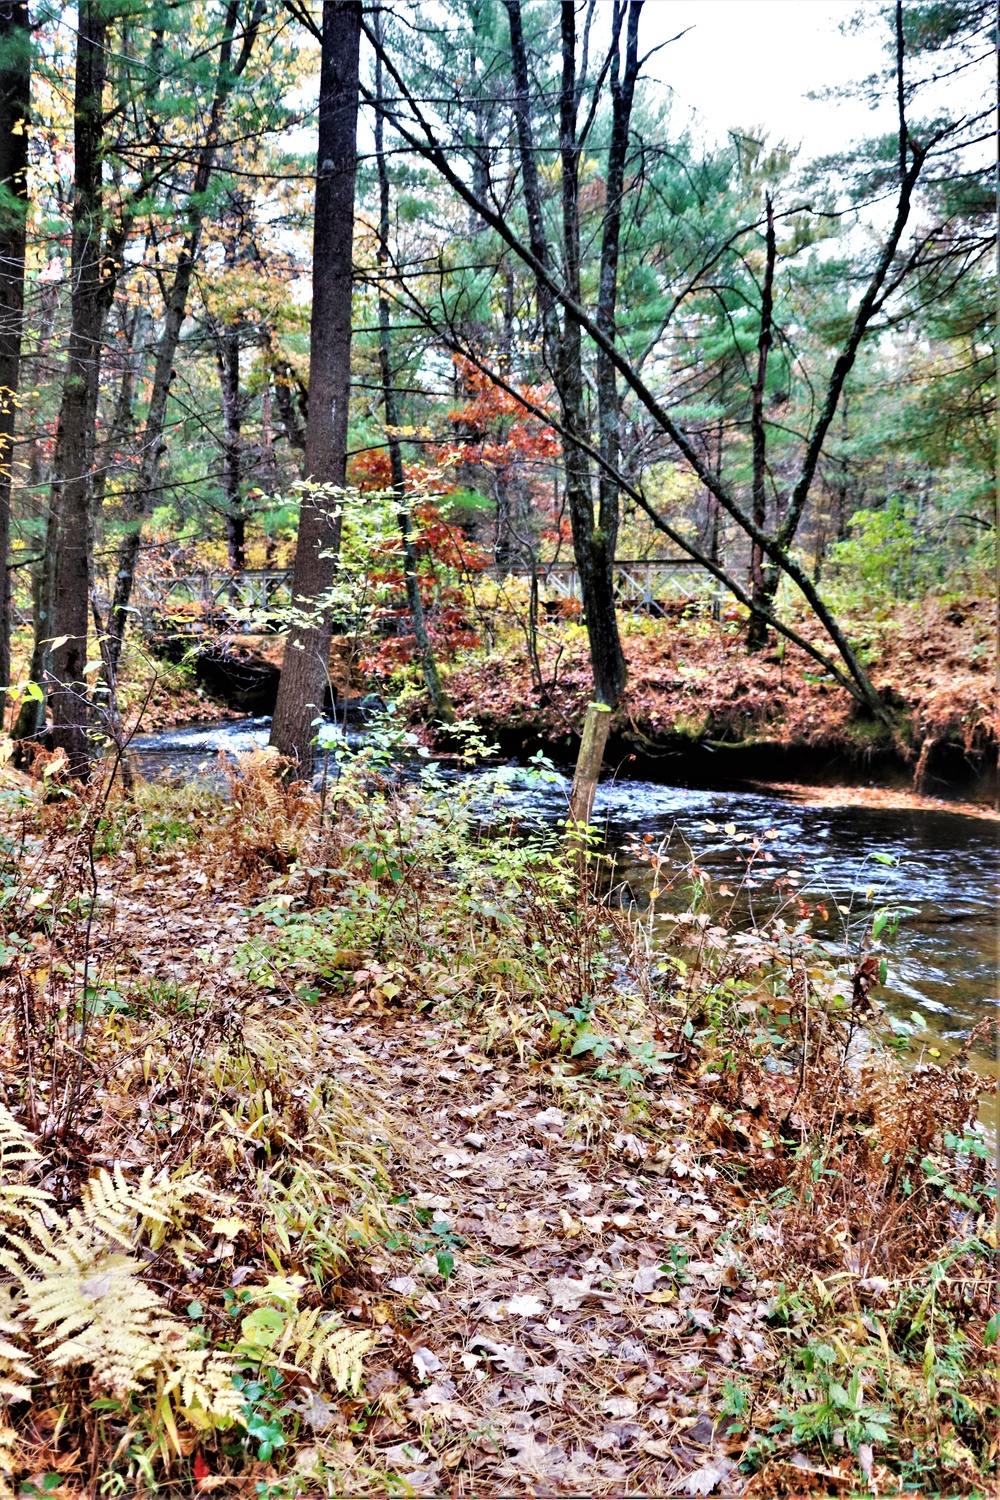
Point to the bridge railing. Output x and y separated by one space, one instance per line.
639 582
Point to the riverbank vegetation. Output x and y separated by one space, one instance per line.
349 1148
357 1136
574 338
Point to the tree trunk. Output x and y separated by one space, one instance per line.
432 678
588 766
73 466
305 667
227 357
15 90
594 559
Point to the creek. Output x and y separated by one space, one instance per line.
945 868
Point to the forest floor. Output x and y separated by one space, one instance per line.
373 1079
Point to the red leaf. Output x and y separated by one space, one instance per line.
201 1469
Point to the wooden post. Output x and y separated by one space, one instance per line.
588 764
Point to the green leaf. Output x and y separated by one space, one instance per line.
445 1263
992 1332
262 1327
886 859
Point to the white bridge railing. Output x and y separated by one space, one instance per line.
638 582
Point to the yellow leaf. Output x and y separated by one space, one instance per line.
230 1228
570 1227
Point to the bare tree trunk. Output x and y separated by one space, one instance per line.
305 667
73 466
589 545
432 678
15 90
123 422
227 359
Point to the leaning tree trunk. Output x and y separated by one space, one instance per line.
15 89
73 467
305 668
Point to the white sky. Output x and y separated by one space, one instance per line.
751 63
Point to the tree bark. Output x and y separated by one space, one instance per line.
589 544
15 91
72 484
604 538
305 667
227 359
588 766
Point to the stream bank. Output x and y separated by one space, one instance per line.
698 709
947 863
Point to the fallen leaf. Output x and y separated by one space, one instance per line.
426 1362
704 1480
525 1307
505 1236
645 1279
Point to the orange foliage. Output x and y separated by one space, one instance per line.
500 434
441 550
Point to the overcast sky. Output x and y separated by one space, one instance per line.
749 63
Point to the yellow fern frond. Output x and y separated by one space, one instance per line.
315 1339
17 1151
121 1210
203 1383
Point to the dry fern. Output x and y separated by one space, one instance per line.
122 1211
81 1297
17 1152
315 1338
277 1332
268 819
201 1383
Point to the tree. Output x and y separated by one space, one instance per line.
15 88
73 469
432 677
140 499
305 665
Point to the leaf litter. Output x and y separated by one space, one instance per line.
562 1299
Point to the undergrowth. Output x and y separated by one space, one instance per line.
191 1188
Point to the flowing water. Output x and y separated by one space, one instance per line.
943 957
